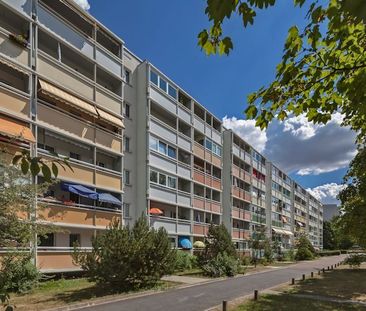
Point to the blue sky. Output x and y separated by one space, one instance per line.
165 33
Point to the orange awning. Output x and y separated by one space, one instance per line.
284 219
67 98
156 211
13 129
108 117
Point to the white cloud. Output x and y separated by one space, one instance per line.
247 130
299 146
83 3
326 193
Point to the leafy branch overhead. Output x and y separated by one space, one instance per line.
36 165
323 67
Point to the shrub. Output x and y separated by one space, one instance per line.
18 273
305 249
355 260
245 260
221 265
328 253
184 261
268 251
289 255
125 258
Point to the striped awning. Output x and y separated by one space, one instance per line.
67 98
282 231
16 130
106 116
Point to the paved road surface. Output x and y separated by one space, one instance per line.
204 296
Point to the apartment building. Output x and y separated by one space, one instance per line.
137 142
61 90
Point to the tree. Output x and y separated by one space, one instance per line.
322 72
305 250
257 243
219 256
218 241
126 258
353 210
329 238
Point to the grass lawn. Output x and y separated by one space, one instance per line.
52 294
343 283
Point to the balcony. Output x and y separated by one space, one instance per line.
12 50
258 218
172 226
206 179
108 180
241 194
241 174
78 215
13 103
240 214
66 124
240 234
64 76
205 204
56 260
200 229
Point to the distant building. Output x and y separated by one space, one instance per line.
330 210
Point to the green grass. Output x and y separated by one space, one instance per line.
56 293
341 284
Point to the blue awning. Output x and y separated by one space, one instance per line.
80 190
108 198
185 243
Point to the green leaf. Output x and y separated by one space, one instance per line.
54 169
46 172
247 14
34 167
24 166
251 112
16 159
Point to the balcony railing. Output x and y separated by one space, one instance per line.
241 214
240 234
206 204
206 179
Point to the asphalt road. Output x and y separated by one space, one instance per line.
204 296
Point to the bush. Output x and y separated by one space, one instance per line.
184 261
328 253
245 260
289 255
355 260
305 249
125 258
18 273
221 265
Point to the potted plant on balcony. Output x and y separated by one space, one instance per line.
19 39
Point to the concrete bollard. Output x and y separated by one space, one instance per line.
224 305
292 281
312 274
323 270
318 272
255 294
303 277
328 268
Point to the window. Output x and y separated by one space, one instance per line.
127 76
208 144
172 91
127 110
162 84
172 152
47 240
126 210
154 176
127 144
74 239
153 143
153 77
127 177
162 179
74 155
162 147
172 182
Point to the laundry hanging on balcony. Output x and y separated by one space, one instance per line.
80 190
108 198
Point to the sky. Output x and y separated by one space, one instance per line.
165 33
